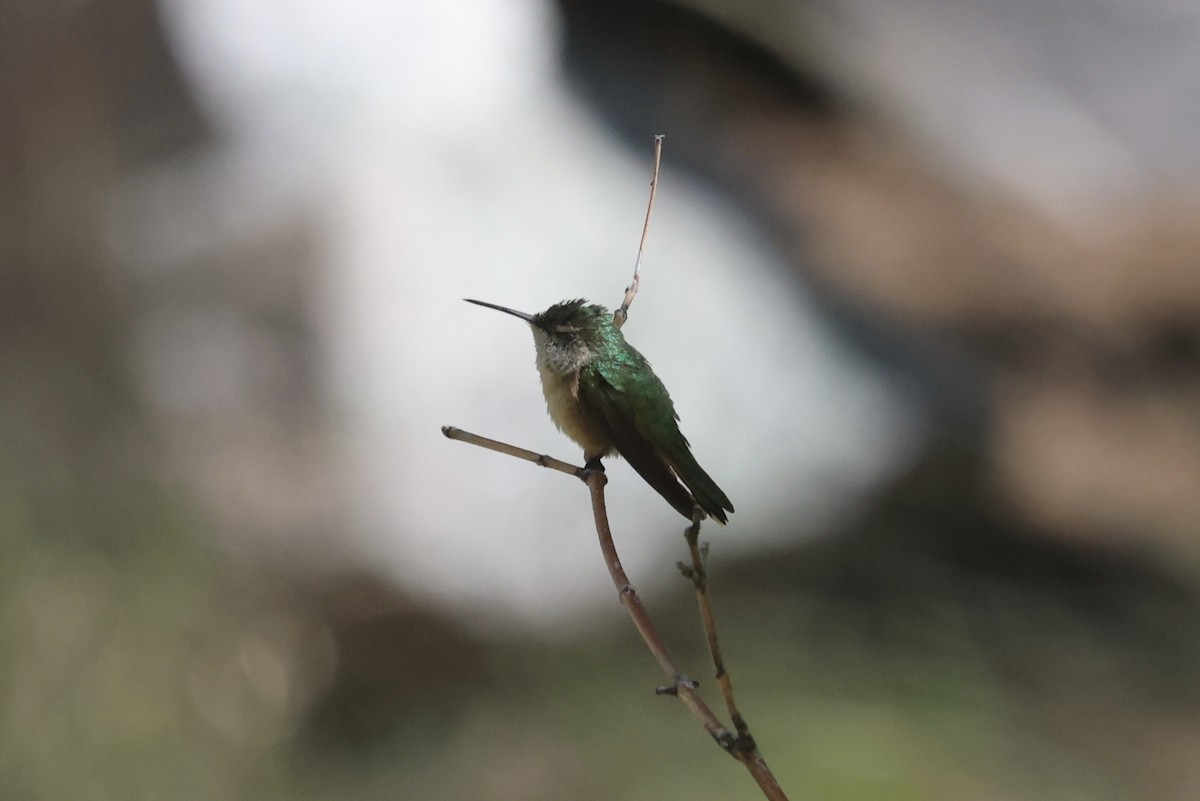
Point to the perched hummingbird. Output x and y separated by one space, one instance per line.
602 393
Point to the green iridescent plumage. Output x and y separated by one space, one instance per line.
602 393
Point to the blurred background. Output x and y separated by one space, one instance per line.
922 279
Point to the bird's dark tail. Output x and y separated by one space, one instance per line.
663 473
708 496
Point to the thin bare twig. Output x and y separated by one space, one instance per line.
698 574
622 314
512 450
747 748
740 746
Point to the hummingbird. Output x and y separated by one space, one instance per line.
601 392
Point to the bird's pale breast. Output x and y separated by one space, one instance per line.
562 401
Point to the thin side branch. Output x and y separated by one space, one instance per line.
622 314
747 748
512 450
698 574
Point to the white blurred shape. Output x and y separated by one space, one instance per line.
450 163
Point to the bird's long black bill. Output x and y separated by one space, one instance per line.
526 317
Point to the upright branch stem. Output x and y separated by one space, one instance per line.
683 687
621 314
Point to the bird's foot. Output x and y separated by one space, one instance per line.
590 467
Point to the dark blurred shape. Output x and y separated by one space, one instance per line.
135 662
1065 357
1039 559
664 68
400 669
155 113
1078 648
80 82
70 418
934 573
773 136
